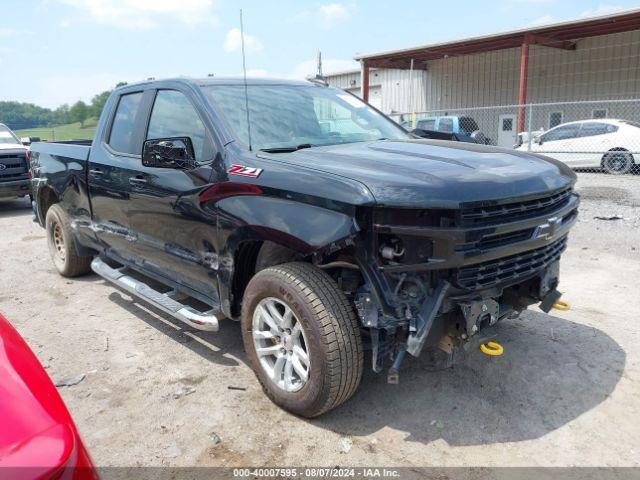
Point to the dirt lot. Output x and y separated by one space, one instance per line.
566 392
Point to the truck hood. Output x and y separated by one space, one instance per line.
434 173
12 146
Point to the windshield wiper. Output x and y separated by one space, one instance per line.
286 149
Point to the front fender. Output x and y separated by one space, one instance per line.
299 226
302 227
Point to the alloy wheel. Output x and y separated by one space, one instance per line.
280 343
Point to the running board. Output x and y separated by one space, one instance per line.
164 301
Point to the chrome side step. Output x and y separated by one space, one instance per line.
164 301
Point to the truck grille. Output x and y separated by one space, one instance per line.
14 166
508 269
500 240
511 212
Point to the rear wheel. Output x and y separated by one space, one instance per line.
618 162
62 247
302 338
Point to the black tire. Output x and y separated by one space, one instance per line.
331 333
618 162
62 247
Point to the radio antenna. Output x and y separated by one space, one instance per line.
246 88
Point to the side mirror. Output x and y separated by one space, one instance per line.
176 152
537 140
26 141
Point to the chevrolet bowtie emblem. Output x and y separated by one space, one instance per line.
549 229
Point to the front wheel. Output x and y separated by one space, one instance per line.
618 162
302 338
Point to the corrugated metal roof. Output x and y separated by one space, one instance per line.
558 32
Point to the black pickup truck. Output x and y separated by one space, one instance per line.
310 217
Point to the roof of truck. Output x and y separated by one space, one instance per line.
250 81
202 82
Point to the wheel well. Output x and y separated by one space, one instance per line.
249 259
613 150
46 198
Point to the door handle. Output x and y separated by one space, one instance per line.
96 172
137 180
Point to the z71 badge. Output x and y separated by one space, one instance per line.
243 171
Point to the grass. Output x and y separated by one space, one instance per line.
71 131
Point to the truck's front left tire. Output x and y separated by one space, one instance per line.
62 247
302 338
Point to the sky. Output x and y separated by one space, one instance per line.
60 51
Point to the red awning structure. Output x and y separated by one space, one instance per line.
560 35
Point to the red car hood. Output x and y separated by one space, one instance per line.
38 438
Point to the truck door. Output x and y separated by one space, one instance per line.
558 143
114 158
176 239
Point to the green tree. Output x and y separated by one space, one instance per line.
79 112
97 103
18 115
60 115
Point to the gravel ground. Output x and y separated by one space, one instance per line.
566 392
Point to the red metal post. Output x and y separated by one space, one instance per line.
522 90
365 81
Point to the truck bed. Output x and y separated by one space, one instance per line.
73 149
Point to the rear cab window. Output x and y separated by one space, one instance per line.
122 127
428 124
445 125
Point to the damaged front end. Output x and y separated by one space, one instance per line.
438 280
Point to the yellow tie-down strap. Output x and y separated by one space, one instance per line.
560 305
493 349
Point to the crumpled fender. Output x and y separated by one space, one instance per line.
304 228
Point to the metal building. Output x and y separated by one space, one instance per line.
593 61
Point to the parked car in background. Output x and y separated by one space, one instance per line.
610 144
465 128
523 137
14 165
38 439
435 135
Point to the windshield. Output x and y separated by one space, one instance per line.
287 117
7 137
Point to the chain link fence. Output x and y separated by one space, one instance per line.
599 140
591 136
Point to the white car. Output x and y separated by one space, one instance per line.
613 145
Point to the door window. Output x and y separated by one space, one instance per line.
591 129
599 113
560 133
173 115
555 119
121 136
